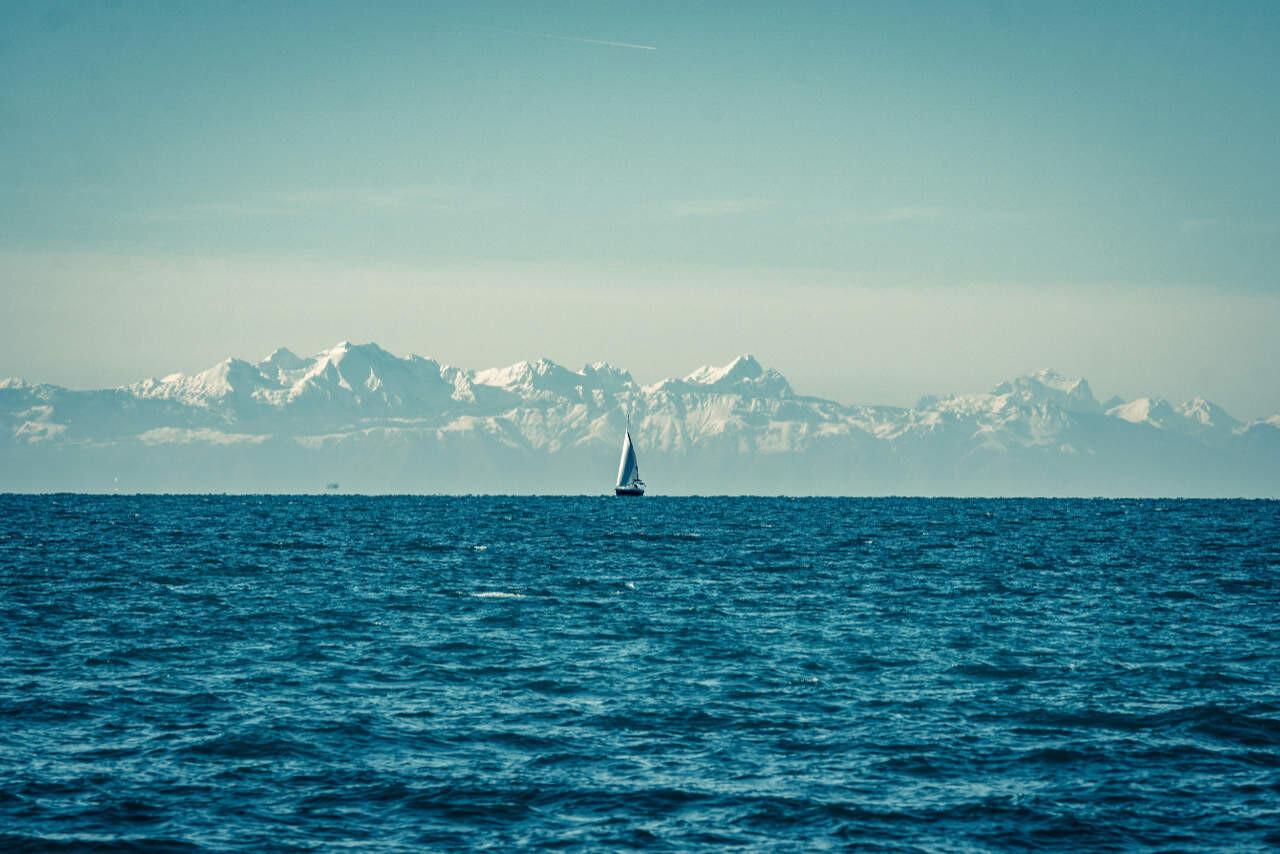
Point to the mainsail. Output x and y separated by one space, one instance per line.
628 468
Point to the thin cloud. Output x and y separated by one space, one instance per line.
191 213
720 207
297 202
592 41
373 197
904 215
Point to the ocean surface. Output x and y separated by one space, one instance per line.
232 673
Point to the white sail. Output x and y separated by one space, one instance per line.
628 467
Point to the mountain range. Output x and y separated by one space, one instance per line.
367 420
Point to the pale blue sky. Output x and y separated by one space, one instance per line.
882 200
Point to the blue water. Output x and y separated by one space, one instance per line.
277 673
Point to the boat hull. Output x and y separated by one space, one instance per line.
628 490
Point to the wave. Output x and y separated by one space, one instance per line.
898 675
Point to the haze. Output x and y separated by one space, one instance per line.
882 201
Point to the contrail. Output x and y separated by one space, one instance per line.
560 38
592 41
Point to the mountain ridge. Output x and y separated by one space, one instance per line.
383 422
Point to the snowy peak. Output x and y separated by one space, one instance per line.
345 381
544 379
365 375
230 378
365 353
355 361
744 375
1049 386
531 378
745 367
282 359
607 376
1208 415
1155 411
1198 417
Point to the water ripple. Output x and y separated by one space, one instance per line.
220 673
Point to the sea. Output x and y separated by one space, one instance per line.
332 672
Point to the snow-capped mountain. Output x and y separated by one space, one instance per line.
343 383
360 416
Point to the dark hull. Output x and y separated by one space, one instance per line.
627 490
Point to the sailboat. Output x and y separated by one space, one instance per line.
629 482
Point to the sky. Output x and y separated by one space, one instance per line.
881 200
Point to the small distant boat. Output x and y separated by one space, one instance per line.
629 482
